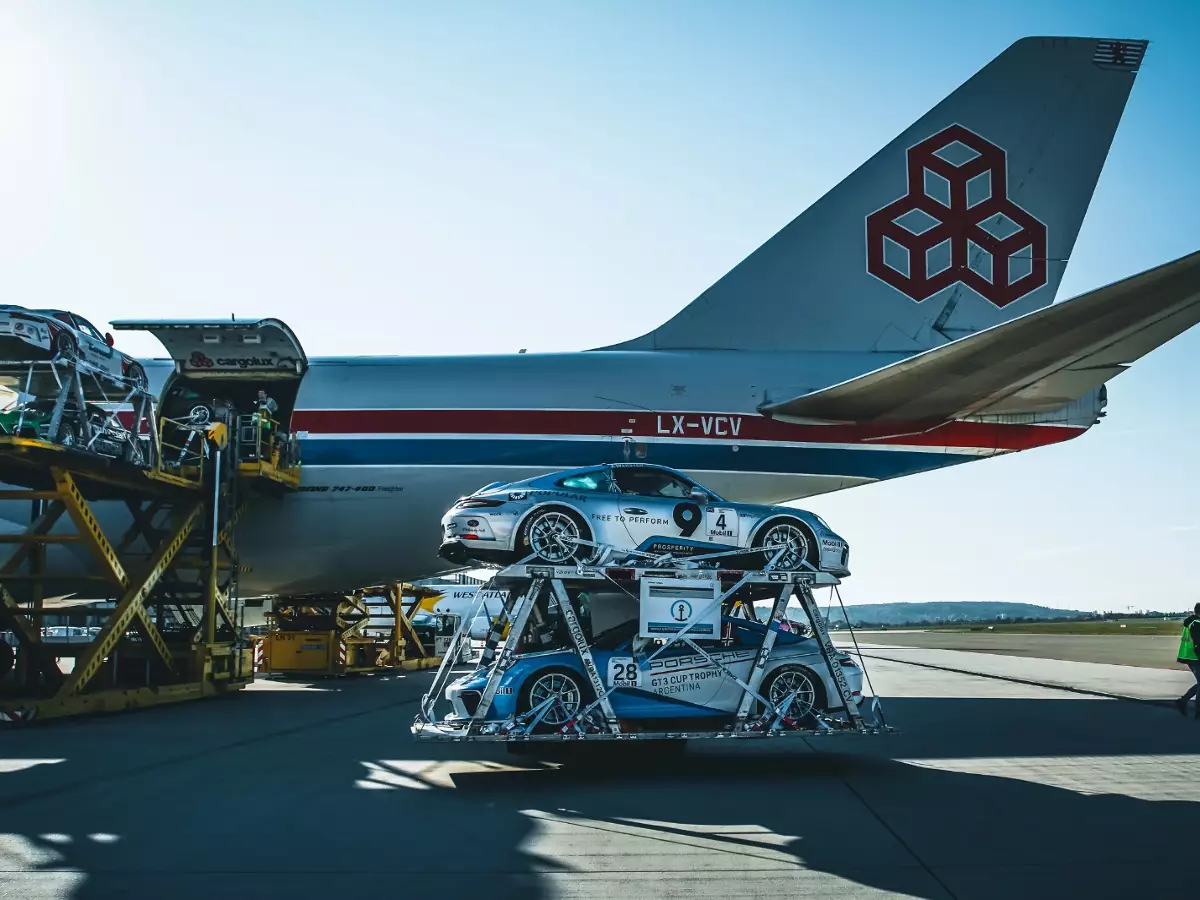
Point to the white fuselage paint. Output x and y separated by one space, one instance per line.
365 522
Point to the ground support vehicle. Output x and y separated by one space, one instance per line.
367 630
167 589
734 593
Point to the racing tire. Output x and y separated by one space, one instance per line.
133 454
811 552
66 346
137 376
537 688
200 415
69 436
786 679
536 536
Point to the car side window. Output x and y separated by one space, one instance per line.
588 481
88 328
652 483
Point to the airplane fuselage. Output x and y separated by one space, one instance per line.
388 444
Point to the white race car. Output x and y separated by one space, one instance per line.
561 517
44 334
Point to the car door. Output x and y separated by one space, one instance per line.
656 503
737 656
94 348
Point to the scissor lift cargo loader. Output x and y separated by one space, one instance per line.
735 591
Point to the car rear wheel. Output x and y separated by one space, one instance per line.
65 346
561 690
794 538
551 535
805 689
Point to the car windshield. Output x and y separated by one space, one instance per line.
587 481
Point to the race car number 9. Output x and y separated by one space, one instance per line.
687 517
623 672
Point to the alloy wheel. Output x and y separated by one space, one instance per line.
563 694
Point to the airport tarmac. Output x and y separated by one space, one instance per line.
1149 650
994 789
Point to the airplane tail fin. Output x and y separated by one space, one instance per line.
964 221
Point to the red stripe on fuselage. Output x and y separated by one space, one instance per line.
690 425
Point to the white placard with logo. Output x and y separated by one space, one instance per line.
671 604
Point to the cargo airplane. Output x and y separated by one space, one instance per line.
902 323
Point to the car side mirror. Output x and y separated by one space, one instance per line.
108 338
700 495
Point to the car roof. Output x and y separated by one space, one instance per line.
567 473
633 465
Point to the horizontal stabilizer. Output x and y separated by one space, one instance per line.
1039 362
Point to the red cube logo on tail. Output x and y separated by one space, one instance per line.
957 225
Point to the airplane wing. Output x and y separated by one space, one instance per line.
1041 361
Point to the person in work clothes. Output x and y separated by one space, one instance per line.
1188 642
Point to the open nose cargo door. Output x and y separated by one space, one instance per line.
220 366
233 349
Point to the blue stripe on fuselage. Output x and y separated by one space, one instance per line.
865 463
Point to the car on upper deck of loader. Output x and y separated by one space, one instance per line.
566 517
45 334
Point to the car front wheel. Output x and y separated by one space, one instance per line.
794 539
137 377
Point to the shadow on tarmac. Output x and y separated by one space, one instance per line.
332 797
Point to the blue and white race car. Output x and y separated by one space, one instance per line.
677 684
560 518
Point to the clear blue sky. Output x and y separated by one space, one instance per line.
416 178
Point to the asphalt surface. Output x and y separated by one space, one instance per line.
994 790
1150 651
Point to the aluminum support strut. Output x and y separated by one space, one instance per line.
524 605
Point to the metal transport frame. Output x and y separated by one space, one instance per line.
167 586
738 591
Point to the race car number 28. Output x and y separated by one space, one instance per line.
623 672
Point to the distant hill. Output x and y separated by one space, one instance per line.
942 613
